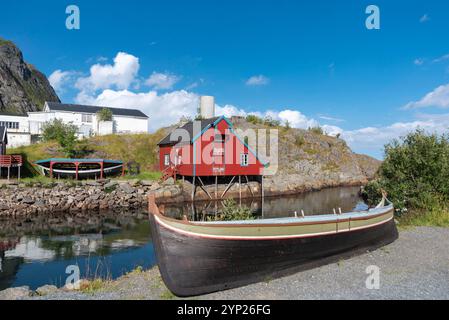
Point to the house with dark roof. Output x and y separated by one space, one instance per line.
86 118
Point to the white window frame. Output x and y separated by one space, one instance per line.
166 160
244 160
86 118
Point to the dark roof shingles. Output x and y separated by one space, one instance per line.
95 109
189 128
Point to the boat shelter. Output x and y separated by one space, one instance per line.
77 167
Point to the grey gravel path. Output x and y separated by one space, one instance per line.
416 266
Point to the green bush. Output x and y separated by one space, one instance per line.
104 114
251 118
233 212
415 173
64 134
317 130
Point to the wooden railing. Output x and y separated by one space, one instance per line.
9 161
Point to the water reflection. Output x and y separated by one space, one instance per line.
36 251
110 249
312 203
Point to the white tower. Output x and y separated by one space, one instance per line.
207 107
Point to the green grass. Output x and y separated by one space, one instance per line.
167 295
149 175
140 148
93 286
437 217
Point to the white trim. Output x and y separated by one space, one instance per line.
207 236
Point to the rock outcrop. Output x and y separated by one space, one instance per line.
22 87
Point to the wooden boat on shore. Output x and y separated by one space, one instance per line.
80 168
201 257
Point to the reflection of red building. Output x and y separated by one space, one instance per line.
6 245
205 150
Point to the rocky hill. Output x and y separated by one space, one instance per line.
311 160
22 87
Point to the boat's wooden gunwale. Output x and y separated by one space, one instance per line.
259 225
275 231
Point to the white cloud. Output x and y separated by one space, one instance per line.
442 58
259 80
162 109
424 18
120 75
437 98
59 78
328 118
296 119
162 81
372 139
418 62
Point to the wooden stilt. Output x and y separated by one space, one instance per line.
19 172
9 171
249 187
193 189
203 187
240 190
263 195
216 187
228 187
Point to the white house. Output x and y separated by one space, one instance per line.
25 130
18 129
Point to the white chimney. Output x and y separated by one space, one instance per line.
207 107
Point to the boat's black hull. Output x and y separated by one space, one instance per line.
193 266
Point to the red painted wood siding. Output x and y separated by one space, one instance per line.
208 164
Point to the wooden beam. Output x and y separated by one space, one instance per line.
228 187
193 189
249 187
203 187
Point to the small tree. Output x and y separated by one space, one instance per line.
415 173
104 114
64 134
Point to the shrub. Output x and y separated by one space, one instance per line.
269 121
231 212
104 114
415 173
316 130
251 118
64 134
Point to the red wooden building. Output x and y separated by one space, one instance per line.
208 151
8 161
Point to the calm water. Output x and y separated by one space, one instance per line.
37 252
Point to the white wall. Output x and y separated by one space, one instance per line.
20 136
18 140
130 124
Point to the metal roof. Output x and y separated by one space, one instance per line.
78 160
94 109
189 126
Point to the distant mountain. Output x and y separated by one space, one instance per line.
22 87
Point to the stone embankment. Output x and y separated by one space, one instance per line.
19 199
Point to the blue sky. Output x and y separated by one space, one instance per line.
312 62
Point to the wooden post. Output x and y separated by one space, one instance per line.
9 170
240 189
51 170
101 170
216 187
19 171
193 189
76 170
